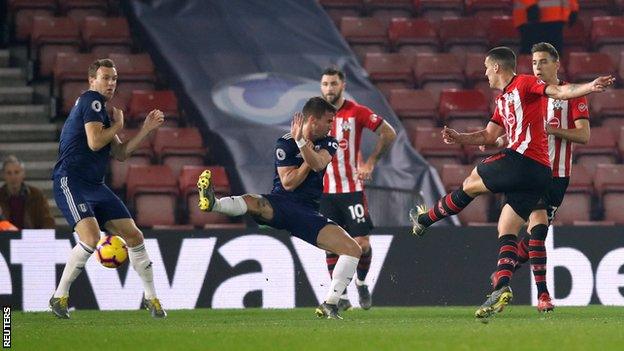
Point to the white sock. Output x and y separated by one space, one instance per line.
75 265
143 266
342 275
359 282
231 206
344 295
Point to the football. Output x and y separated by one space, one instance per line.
111 251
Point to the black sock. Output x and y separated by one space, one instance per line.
537 256
448 205
507 257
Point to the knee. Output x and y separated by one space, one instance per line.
134 238
90 240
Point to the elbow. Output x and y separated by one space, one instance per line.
94 147
584 140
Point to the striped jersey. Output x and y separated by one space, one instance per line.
562 114
519 110
350 119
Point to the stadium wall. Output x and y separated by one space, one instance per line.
269 269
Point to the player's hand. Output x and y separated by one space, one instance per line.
548 128
365 170
296 126
449 136
600 84
118 118
153 120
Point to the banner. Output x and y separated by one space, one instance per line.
270 269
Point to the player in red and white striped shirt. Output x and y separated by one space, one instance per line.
567 123
343 195
521 171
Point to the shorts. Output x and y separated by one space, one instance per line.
78 199
349 210
553 197
299 219
523 180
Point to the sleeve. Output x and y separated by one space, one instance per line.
331 145
579 108
368 119
91 109
286 153
534 85
497 118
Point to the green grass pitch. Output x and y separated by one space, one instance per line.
419 328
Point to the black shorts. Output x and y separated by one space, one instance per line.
553 197
522 180
349 210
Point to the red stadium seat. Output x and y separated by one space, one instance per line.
336 9
609 178
386 10
177 147
67 5
576 38
143 101
70 92
389 67
501 32
23 12
488 8
461 109
576 204
105 31
612 205
452 177
437 9
436 72
607 107
70 68
51 35
141 156
621 142
365 35
584 66
475 68
428 142
415 107
153 191
138 67
601 148
460 35
607 35
188 190
413 35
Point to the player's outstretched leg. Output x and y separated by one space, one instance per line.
448 205
206 191
230 206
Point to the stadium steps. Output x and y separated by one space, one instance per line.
28 132
39 169
10 76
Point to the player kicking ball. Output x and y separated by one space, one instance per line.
301 157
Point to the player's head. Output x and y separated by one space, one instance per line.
319 113
332 85
103 77
545 62
498 62
13 172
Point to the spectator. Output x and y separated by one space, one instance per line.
543 21
23 205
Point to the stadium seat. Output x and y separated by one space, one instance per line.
607 108
462 109
460 35
389 67
177 147
436 72
188 190
437 9
23 12
415 107
609 182
364 34
141 156
70 68
428 142
100 32
586 66
386 10
607 35
577 203
452 177
488 8
501 32
576 38
143 101
475 68
78 10
601 148
594 8
52 35
413 35
524 64
152 190
135 68
621 142
70 92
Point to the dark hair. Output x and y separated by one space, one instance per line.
332 71
545 47
504 56
93 68
317 106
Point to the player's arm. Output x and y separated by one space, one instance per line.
122 150
579 135
387 135
292 176
569 91
98 136
487 136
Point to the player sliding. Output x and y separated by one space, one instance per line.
521 171
300 160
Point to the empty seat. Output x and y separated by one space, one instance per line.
428 142
70 67
501 32
601 148
488 8
23 12
177 147
364 34
576 204
437 9
621 142
587 66
389 67
67 5
106 31
70 92
152 190
607 107
137 67
609 182
386 10
337 9
607 35
475 68
463 34
141 156
453 176
415 107
413 34
188 190
478 211
52 35
437 72
143 101
461 109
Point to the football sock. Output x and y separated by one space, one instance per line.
75 265
447 206
507 257
364 265
343 273
537 255
523 249
143 266
231 206
331 259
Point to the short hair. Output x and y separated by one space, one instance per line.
317 106
546 47
93 67
332 71
504 56
11 159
